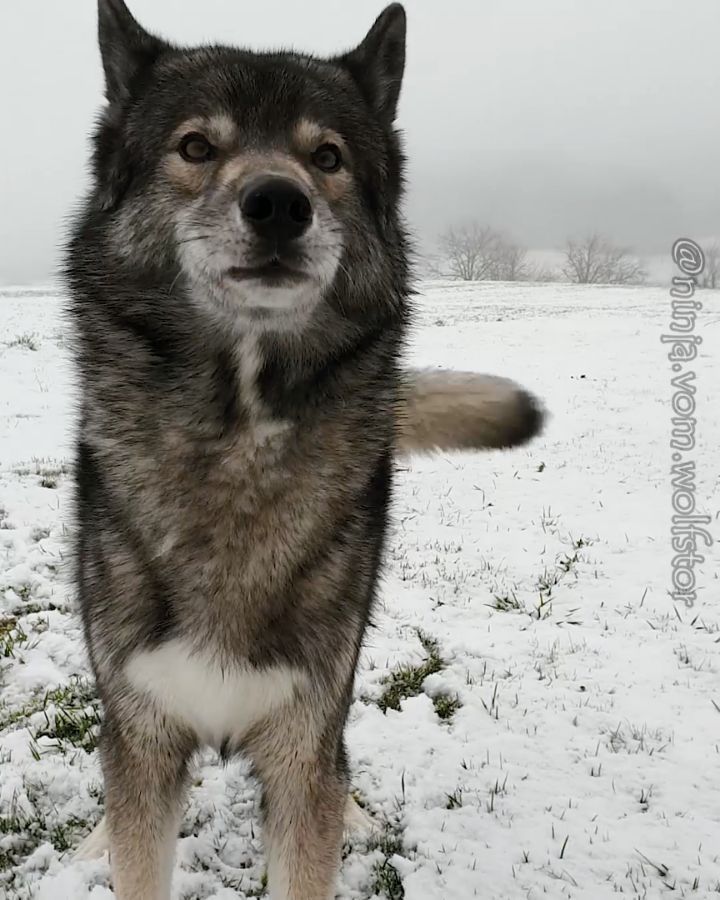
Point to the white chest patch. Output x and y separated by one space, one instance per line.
249 365
216 702
263 429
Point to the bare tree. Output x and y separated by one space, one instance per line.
468 252
474 252
595 260
509 262
710 277
540 273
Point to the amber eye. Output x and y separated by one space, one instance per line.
327 157
196 148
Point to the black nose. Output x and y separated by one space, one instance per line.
277 208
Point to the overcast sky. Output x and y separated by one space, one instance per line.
547 118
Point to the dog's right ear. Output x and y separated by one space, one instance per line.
126 48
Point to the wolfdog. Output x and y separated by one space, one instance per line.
239 291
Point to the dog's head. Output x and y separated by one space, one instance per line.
259 178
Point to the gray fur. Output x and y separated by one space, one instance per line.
236 445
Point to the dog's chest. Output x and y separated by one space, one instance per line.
256 449
218 703
240 509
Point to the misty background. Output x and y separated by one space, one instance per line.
547 119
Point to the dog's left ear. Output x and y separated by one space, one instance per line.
377 65
126 48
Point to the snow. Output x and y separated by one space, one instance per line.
583 759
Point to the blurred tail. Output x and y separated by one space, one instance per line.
465 411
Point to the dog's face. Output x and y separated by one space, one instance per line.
259 178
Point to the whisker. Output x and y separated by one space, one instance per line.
197 237
344 269
175 281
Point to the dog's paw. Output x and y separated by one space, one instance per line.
357 821
95 844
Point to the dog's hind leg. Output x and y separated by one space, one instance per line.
144 762
305 791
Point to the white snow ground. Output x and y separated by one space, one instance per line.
582 758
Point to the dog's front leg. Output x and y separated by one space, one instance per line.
144 761
305 790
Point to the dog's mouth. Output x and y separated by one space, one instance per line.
273 272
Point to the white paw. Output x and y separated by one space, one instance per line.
357 821
95 844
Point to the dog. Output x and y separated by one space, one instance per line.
239 298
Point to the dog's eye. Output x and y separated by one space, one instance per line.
327 157
196 148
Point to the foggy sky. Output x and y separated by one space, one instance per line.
547 118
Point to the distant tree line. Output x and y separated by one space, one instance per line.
474 252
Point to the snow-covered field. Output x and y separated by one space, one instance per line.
558 725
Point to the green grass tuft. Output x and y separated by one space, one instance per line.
12 637
29 341
386 880
446 706
407 681
72 718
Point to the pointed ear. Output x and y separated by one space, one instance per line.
125 47
377 65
